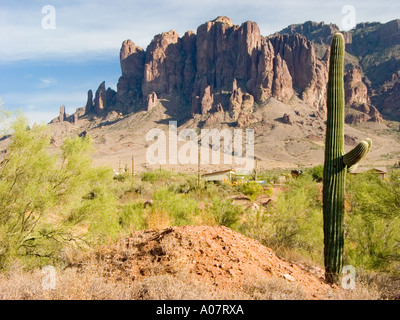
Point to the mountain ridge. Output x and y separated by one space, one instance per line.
203 69
230 76
375 47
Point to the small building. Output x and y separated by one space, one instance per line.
239 173
381 171
224 175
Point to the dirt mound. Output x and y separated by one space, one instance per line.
214 256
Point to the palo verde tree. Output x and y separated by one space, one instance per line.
51 200
336 164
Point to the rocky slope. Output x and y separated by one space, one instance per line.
373 55
216 257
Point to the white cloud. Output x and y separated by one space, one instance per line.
94 30
88 29
47 82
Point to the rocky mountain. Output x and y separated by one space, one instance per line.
230 68
221 68
373 65
226 76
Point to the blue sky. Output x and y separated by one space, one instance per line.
43 69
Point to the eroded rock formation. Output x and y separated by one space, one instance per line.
357 98
199 65
227 67
152 100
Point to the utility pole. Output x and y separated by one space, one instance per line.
198 165
133 166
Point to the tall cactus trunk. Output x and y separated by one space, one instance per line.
336 164
334 168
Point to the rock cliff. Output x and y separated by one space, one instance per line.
372 49
223 67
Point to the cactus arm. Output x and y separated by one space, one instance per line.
352 158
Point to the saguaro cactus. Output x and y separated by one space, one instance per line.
336 164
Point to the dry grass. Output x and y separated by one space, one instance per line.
71 284
91 283
262 288
158 219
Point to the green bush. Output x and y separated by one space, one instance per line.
269 191
122 177
132 217
373 222
180 208
226 213
298 219
156 175
317 172
50 201
188 185
293 221
250 188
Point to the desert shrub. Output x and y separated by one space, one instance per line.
123 176
201 190
298 219
316 172
187 185
183 209
268 191
132 217
180 208
49 201
156 175
141 187
272 176
373 222
225 212
250 188
292 221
